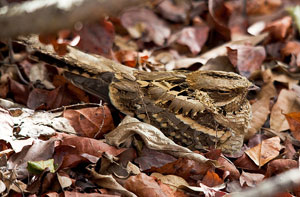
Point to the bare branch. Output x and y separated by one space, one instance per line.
40 16
282 182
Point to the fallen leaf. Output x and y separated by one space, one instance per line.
91 122
143 185
97 38
250 179
37 167
40 75
265 151
89 146
152 137
143 23
294 11
150 158
211 179
40 150
174 11
20 92
287 102
218 51
293 119
108 182
228 166
193 37
261 108
259 7
64 181
184 168
280 165
220 15
40 98
171 180
61 81
35 124
246 58
280 28
244 162
290 151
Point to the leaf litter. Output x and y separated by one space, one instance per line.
50 145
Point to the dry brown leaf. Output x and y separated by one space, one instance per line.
211 179
218 51
171 180
294 123
228 166
261 108
184 168
143 185
90 146
193 37
259 7
265 151
246 58
287 102
174 11
91 122
143 23
244 162
289 151
108 182
152 137
280 165
20 92
150 158
40 150
97 38
251 179
280 28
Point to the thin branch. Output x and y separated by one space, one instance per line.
40 16
283 182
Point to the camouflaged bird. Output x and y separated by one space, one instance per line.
199 110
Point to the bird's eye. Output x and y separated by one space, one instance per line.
224 92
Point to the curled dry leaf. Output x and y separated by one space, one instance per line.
152 137
143 185
91 122
280 165
265 151
108 182
246 58
143 23
171 180
287 102
250 179
280 28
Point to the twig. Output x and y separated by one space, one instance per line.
285 181
53 15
